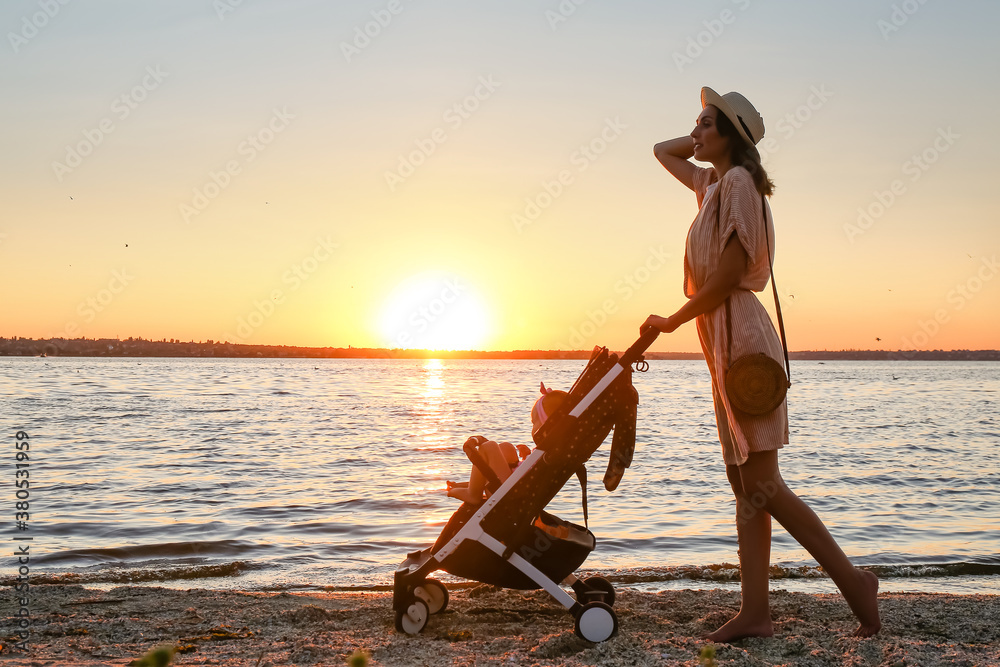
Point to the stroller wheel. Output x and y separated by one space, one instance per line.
434 595
596 622
415 618
604 586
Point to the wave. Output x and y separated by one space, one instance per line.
132 574
161 571
134 553
726 573
731 572
963 569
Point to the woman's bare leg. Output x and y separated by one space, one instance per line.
753 528
763 484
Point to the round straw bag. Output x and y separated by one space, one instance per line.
756 384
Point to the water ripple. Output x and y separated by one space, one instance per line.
328 471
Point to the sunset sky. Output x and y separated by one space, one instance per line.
445 173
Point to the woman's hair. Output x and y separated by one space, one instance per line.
742 154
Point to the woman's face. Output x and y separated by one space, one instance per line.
708 143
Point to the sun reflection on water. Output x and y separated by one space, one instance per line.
431 406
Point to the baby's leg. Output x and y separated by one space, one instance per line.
509 452
496 457
471 492
499 457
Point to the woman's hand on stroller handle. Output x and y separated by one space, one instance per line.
660 324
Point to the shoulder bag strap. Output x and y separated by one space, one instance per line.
718 231
774 288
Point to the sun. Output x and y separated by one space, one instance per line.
434 310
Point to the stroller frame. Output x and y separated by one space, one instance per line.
517 544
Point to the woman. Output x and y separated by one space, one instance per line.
728 254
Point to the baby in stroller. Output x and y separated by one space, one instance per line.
502 457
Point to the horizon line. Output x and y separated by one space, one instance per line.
397 350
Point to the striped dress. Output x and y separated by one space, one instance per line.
739 433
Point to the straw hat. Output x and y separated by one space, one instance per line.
739 110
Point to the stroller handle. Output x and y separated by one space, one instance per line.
631 355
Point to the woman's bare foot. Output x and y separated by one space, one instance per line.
866 608
740 627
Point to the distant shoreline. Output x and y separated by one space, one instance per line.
138 347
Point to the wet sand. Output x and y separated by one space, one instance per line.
483 626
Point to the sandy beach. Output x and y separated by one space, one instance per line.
483 625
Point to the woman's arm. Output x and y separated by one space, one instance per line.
712 294
674 155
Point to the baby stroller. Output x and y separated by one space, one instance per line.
509 540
